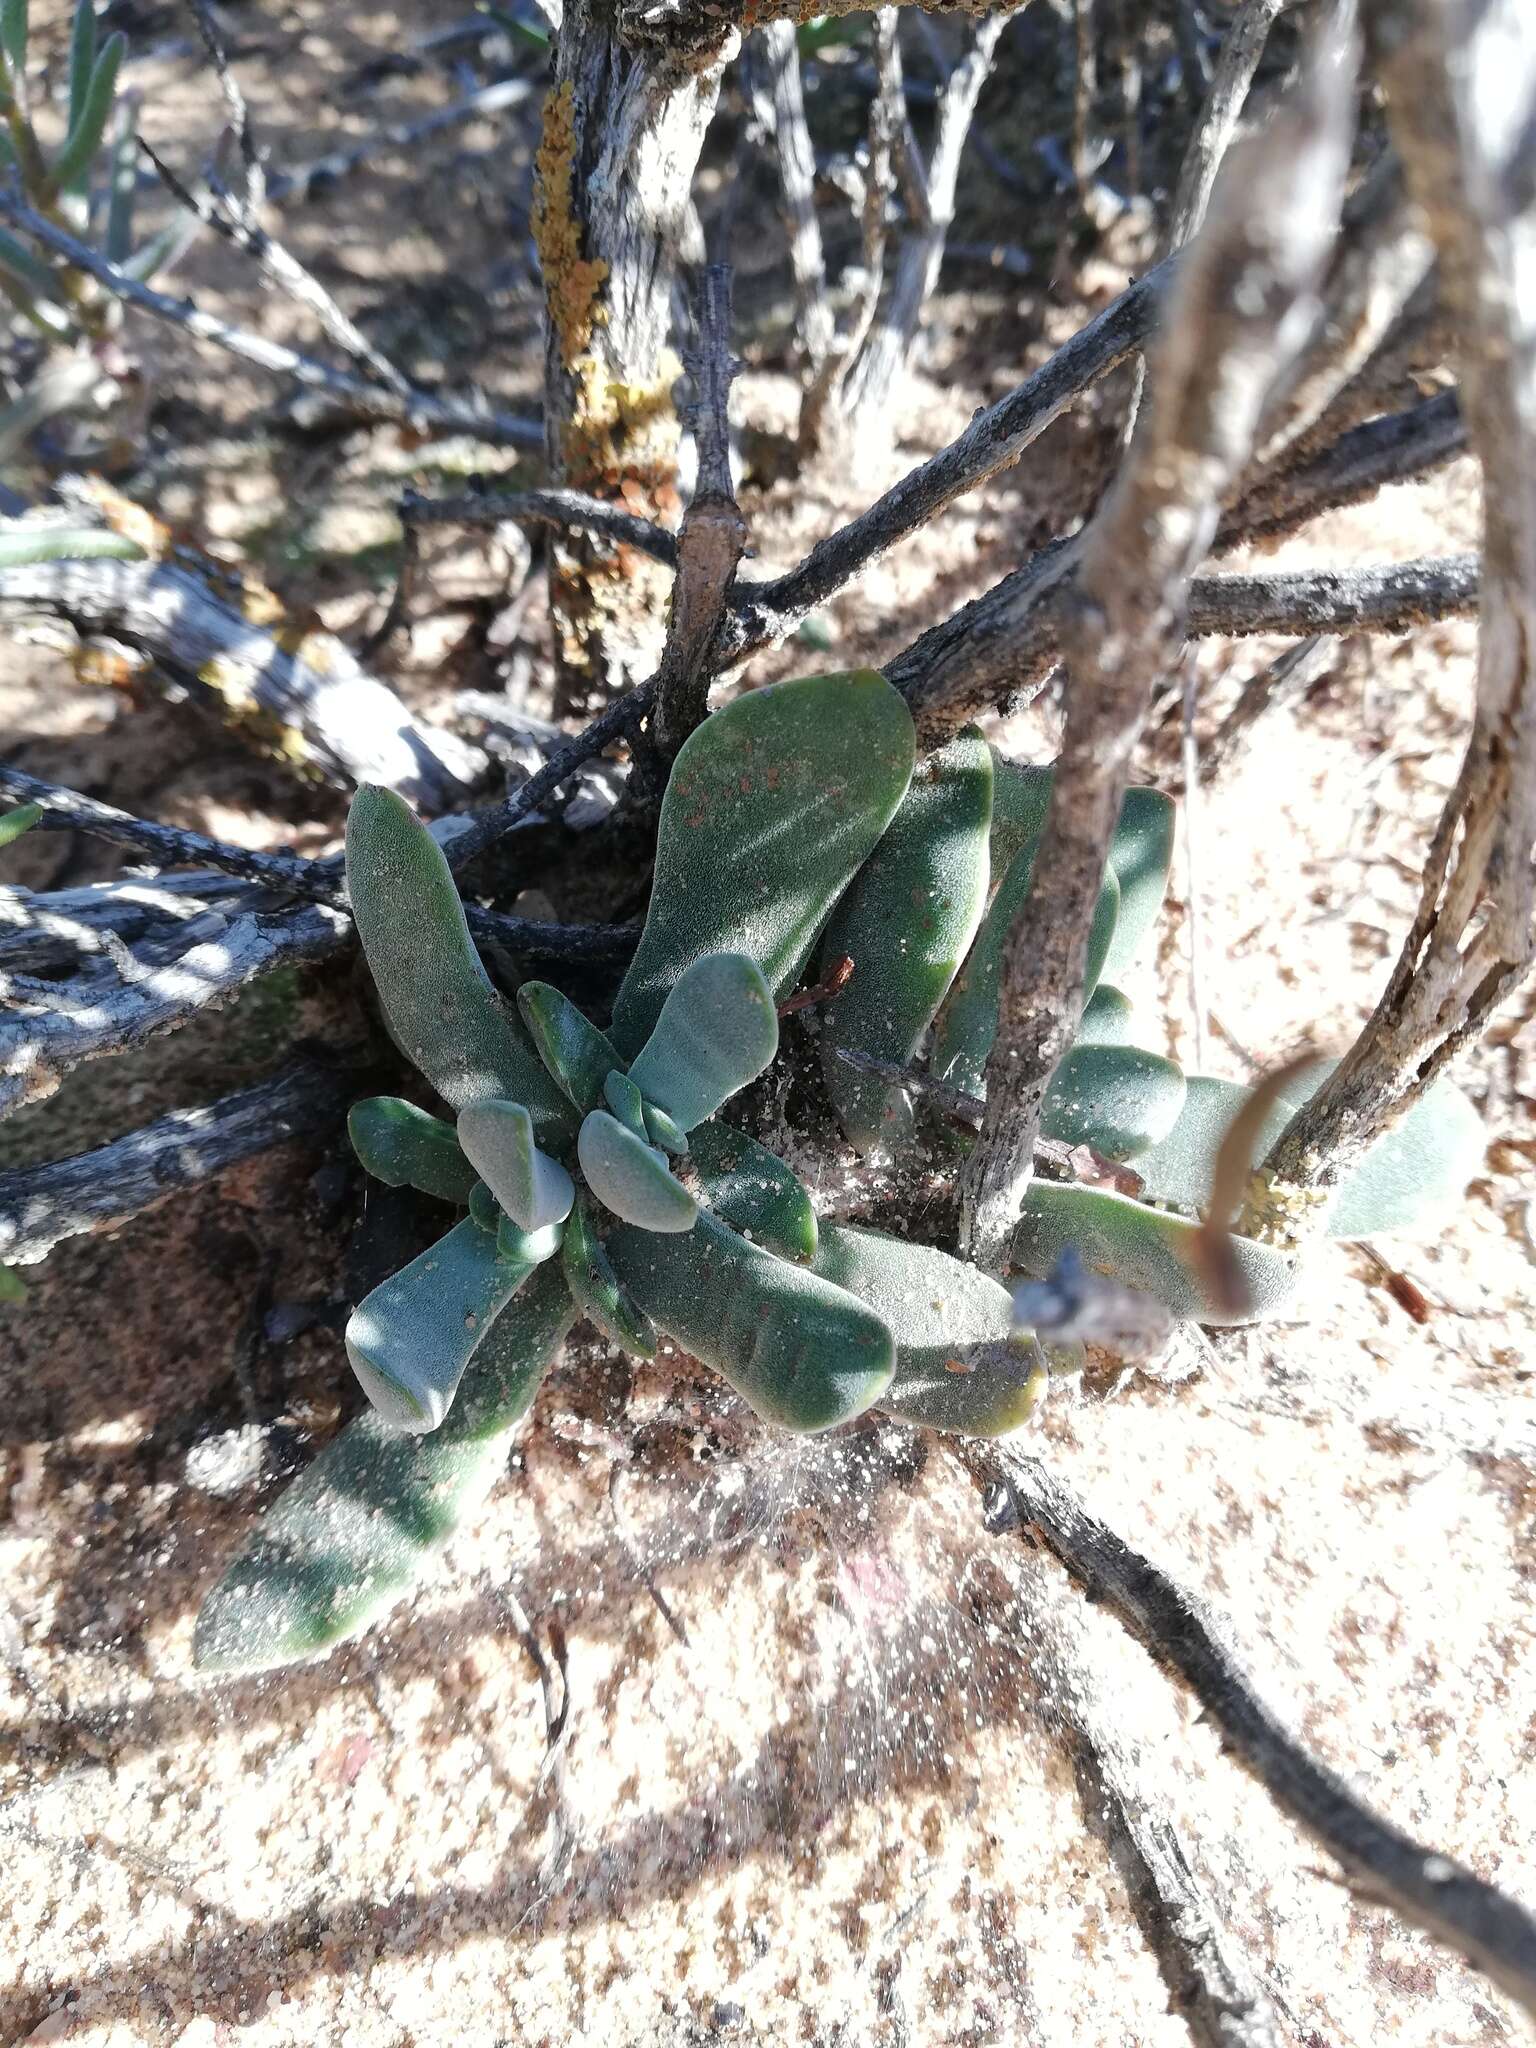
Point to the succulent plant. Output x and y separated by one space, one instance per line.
599 1179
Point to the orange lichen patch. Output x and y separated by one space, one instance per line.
571 280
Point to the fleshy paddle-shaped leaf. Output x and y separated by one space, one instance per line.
404 1147
936 1309
802 1353
1106 1018
1141 854
1116 1098
596 1288
1021 795
356 1529
575 1052
967 1023
1143 1248
631 1178
906 923
773 805
752 1190
718 1030
436 997
1415 1172
497 1139
411 1339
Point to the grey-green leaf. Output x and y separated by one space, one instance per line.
772 806
1106 1018
752 1190
718 1030
82 57
403 1146
1141 854
906 923
497 1139
937 1309
1417 1171
630 1177
410 1341
967 1024
1116 1098
21 819
72 164
436 996
360 1525
596 1288
801 1352
1143 1248
574 1051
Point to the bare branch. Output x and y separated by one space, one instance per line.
1426 1888
889 348
304 180
714 533
784 112
41 1206
542 508
1242 305
371 400
221 647
1280 682
1461 83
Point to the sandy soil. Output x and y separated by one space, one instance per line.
805 1780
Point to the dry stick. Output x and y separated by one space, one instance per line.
1391 450
1215 1989
1281 682
40 1206
1427 1889
1384 260
889 348
1213 136
714 533
1085 91
222 645
995 438
299 184
1461 84
1240 307
784 114
420 410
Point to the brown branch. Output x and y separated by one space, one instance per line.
1426 1888
714 533
41 1206
1461 84
1238 310
542 508
1280 682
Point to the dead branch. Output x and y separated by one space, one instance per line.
488 509
59 927
41 1206
423 411
1280 682
1461 84
784 115
1426 1888
714 533
1391 450
305 180
231 649
889 348
1241 306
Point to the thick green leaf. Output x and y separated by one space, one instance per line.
411 1340
1021 795
521 1247
936 1308
967 1023
1141 853
630 1177
436 996
575 1052
497 1139
752 1190
356 1529
906 923
626 1103
12 1286
1414 1173
72 164
13 35
402 1146
21 819
122 181
1116 1098
718 1030
596 1288
1141 1247
773 805
801 1352
82 57
660 1130
1106 1018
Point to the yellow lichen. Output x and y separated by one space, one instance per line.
1279 1213
571 280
